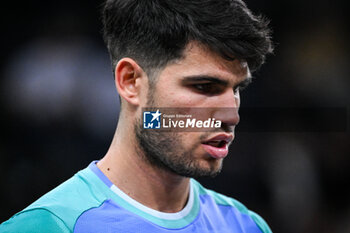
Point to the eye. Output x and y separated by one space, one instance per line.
204 87
207 88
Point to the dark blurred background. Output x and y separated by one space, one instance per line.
59 110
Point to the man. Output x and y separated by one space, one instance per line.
165 53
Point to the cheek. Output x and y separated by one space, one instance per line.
173 99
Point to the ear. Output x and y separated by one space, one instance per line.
128 76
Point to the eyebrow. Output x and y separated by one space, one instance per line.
197 78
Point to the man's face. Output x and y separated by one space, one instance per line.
202 79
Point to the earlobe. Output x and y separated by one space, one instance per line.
127 80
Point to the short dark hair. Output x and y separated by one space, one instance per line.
155 32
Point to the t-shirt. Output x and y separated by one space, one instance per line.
90 202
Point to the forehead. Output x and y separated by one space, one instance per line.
200 60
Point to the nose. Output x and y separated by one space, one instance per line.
227 108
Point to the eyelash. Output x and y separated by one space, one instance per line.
207 88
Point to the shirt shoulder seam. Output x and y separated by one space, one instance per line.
47 210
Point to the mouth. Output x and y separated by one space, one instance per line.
217 146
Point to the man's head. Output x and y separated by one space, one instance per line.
183 53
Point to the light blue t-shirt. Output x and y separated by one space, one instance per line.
89 202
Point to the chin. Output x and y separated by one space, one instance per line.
211 168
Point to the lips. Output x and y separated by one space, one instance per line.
217 146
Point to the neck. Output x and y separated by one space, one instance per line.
151 186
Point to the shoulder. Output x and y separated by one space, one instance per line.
34 221
222 200
61 206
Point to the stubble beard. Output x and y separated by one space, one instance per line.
165 150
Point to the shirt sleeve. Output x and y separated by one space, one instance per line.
34 221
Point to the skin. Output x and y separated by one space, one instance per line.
153 186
